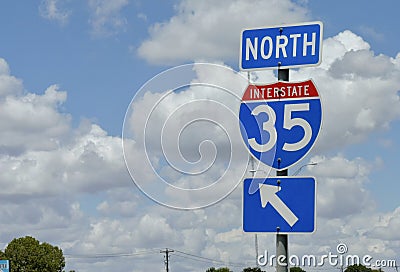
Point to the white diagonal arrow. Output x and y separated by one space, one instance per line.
268 195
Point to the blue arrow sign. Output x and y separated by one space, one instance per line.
284 203
283 46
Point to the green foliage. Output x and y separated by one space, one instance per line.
296 269
254 269
359 268
222 269
226 269
2 255
28 254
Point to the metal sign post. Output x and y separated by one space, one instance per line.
282 239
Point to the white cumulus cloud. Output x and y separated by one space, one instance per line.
210 30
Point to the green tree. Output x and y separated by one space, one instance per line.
2 255
296 269
222 269
28 254
254 269
359 268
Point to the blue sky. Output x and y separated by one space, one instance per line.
66 54
374 21
69 70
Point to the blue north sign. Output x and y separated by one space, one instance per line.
283 46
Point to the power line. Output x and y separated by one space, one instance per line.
209 260
109 255
191 258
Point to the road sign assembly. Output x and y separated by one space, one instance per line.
284 46
282 204
280 122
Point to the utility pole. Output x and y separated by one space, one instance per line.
166 261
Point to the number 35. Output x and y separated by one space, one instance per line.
288 123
